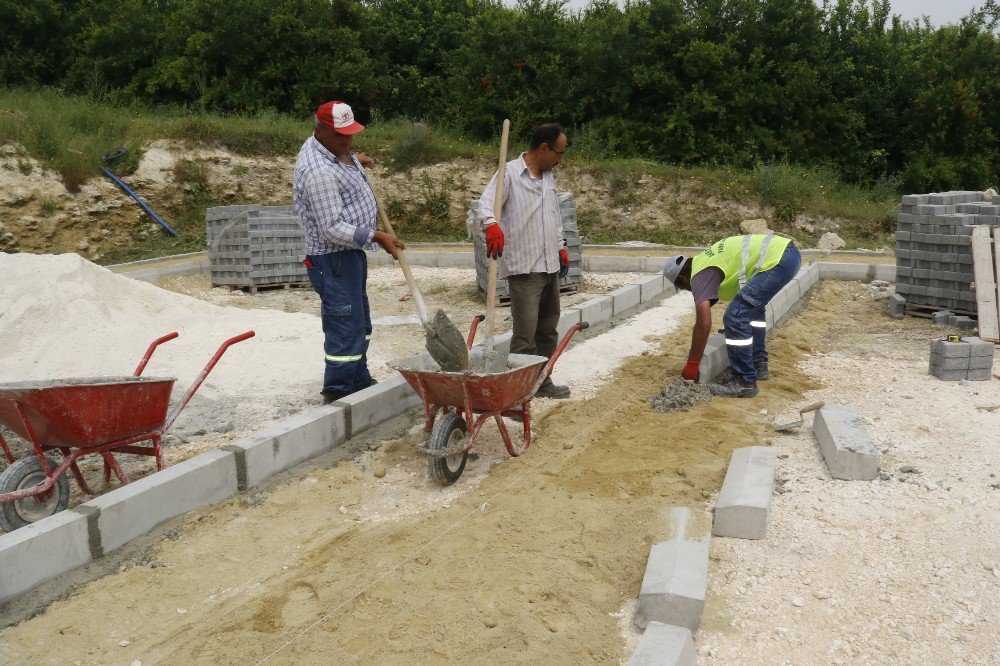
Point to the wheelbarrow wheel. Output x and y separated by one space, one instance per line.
449 431
28 473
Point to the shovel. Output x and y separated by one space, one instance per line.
444 342
788 427
489 362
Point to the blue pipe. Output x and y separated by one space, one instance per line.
142 204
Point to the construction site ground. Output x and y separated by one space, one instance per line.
538 559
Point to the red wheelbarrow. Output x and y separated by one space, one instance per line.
103 415
475 399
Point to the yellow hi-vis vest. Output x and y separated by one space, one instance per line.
740 258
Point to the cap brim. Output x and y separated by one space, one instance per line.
353 128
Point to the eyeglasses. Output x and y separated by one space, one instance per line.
560 153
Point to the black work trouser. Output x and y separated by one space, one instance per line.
534 307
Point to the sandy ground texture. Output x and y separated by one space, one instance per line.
538 559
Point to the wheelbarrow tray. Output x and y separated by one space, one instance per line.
488 392
87 411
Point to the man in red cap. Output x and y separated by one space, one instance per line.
337 211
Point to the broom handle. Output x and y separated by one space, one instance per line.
491 283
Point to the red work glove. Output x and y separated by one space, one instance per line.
563 263
494 241
690 371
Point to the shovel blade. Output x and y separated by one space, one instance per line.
445 344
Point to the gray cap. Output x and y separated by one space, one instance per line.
673 267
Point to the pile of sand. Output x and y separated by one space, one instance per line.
62 316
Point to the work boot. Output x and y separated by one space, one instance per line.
550 390
332 396
735 387
760 365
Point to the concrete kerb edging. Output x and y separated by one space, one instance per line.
51 547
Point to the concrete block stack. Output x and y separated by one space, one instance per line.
571 231
255 246
969 358
934 249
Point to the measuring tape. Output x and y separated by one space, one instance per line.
954 338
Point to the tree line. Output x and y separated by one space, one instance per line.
729 82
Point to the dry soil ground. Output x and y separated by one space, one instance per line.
538 559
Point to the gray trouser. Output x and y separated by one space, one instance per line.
534 307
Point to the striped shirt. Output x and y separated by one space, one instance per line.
530 220
335 204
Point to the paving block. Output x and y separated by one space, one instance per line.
745 499
597 309
945 349
39 552
650 287
942 316
849 452
133 510
952 375
381 402
897 306
664 645
981 375
979 347
673 586
288 442
980 363
625 298
964 323
939 363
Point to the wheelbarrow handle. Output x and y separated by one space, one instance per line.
201 378
149 352
547 370
472 331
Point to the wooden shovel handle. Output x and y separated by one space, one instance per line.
403 263
491 282
812 408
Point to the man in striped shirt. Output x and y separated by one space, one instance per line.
337 211
529 243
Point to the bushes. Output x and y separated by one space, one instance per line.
738 82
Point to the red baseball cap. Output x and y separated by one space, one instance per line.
340 117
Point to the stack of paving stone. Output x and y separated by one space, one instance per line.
970 358
934 250
574 247
255 246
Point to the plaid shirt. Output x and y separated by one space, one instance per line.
335 204
531 221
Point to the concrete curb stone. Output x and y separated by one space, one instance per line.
133 510
849 452
744 502
41 551
664 645
676 576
